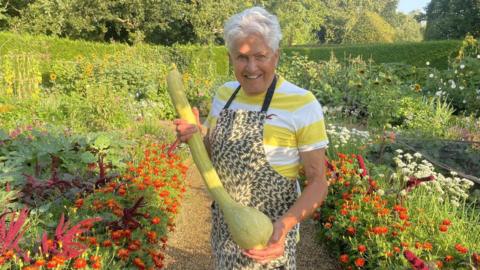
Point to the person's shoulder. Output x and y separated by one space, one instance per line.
295 96
230 85
226 89
289 88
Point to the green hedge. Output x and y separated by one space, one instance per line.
58 49
413 53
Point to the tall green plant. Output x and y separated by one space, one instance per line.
20 75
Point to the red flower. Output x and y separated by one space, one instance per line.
360 262
448 258
476 259
414 261
361 163
380 230
443 228
362 248
79 263
79 203
351 230
155 220
461 248
344 258
446 222
353 219
123 253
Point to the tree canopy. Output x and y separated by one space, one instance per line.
452 19
201 21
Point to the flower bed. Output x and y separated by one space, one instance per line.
397 220
111 212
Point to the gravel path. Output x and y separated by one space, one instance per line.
189 246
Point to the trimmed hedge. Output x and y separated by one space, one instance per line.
59 49
413 53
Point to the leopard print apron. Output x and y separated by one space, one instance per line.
239 157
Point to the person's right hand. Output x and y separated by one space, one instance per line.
186 130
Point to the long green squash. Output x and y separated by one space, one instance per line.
249 228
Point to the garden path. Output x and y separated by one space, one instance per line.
189 246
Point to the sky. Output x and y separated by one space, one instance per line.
406 6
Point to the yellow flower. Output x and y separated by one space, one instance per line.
53 77
417 87
89 70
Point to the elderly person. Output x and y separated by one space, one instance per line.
260 131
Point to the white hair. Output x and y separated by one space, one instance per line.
254 20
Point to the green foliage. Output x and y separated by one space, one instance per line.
452 19
406 27
369 28
171 22
428 118
363 91
460 83
417 54
299 20
343 16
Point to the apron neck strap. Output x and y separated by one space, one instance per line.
267 100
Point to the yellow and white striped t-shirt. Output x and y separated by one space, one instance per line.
295 124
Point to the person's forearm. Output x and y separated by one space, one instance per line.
311 198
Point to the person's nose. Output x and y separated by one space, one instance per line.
251 65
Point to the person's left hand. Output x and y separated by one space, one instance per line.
275 247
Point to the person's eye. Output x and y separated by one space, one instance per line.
261 58
242 58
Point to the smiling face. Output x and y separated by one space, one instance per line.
254 63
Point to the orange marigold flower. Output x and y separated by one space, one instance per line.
327 225
79 263
123 253
359 262
96 265
353 219
448 258
427 246
40 262
139 263
439 264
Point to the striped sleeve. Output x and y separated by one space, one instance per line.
310 126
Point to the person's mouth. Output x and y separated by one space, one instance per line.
252 77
